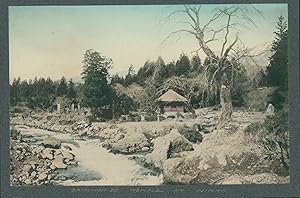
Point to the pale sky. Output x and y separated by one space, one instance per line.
50 41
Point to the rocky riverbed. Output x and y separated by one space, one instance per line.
44 157
34 160
66 149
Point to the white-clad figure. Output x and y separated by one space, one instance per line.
158 114
270 110
58 108
142 117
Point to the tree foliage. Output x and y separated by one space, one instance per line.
259 79
183 65
96 90
62 87
71 93
277 70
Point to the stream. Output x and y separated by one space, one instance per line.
96 165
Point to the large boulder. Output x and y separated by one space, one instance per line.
51 142
167 146
132 142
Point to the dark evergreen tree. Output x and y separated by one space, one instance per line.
145 72
160 73
41 94
116 79
171 68
96 90
183 65
62 87
196 65
277 70
71 93
15 92
131 76
260 79
25 89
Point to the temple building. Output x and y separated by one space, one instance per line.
172 102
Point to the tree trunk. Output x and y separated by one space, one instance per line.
226 105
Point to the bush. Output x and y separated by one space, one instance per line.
91 118
150 118
278 98
190 134
19 109
253 128
259 98
273 136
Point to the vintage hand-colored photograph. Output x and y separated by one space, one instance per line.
149 95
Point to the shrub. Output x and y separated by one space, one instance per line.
273 136
150 118
278 98
91 118
253 128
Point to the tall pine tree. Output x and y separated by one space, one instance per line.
62 87
277 70
96 90
71 93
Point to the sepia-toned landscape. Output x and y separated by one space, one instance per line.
149 95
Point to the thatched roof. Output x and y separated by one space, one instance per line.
172 96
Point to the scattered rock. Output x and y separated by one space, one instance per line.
27 168
27 181
145 149
33 174
47 154
119 137
58 162
82 133
68 155
42 176
51 142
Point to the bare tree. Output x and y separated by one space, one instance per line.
235 17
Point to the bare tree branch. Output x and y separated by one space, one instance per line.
187 22
230 47
174 33
172 14
187 10
215 17
214 35
196 11
226 35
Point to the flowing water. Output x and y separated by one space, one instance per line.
96 166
